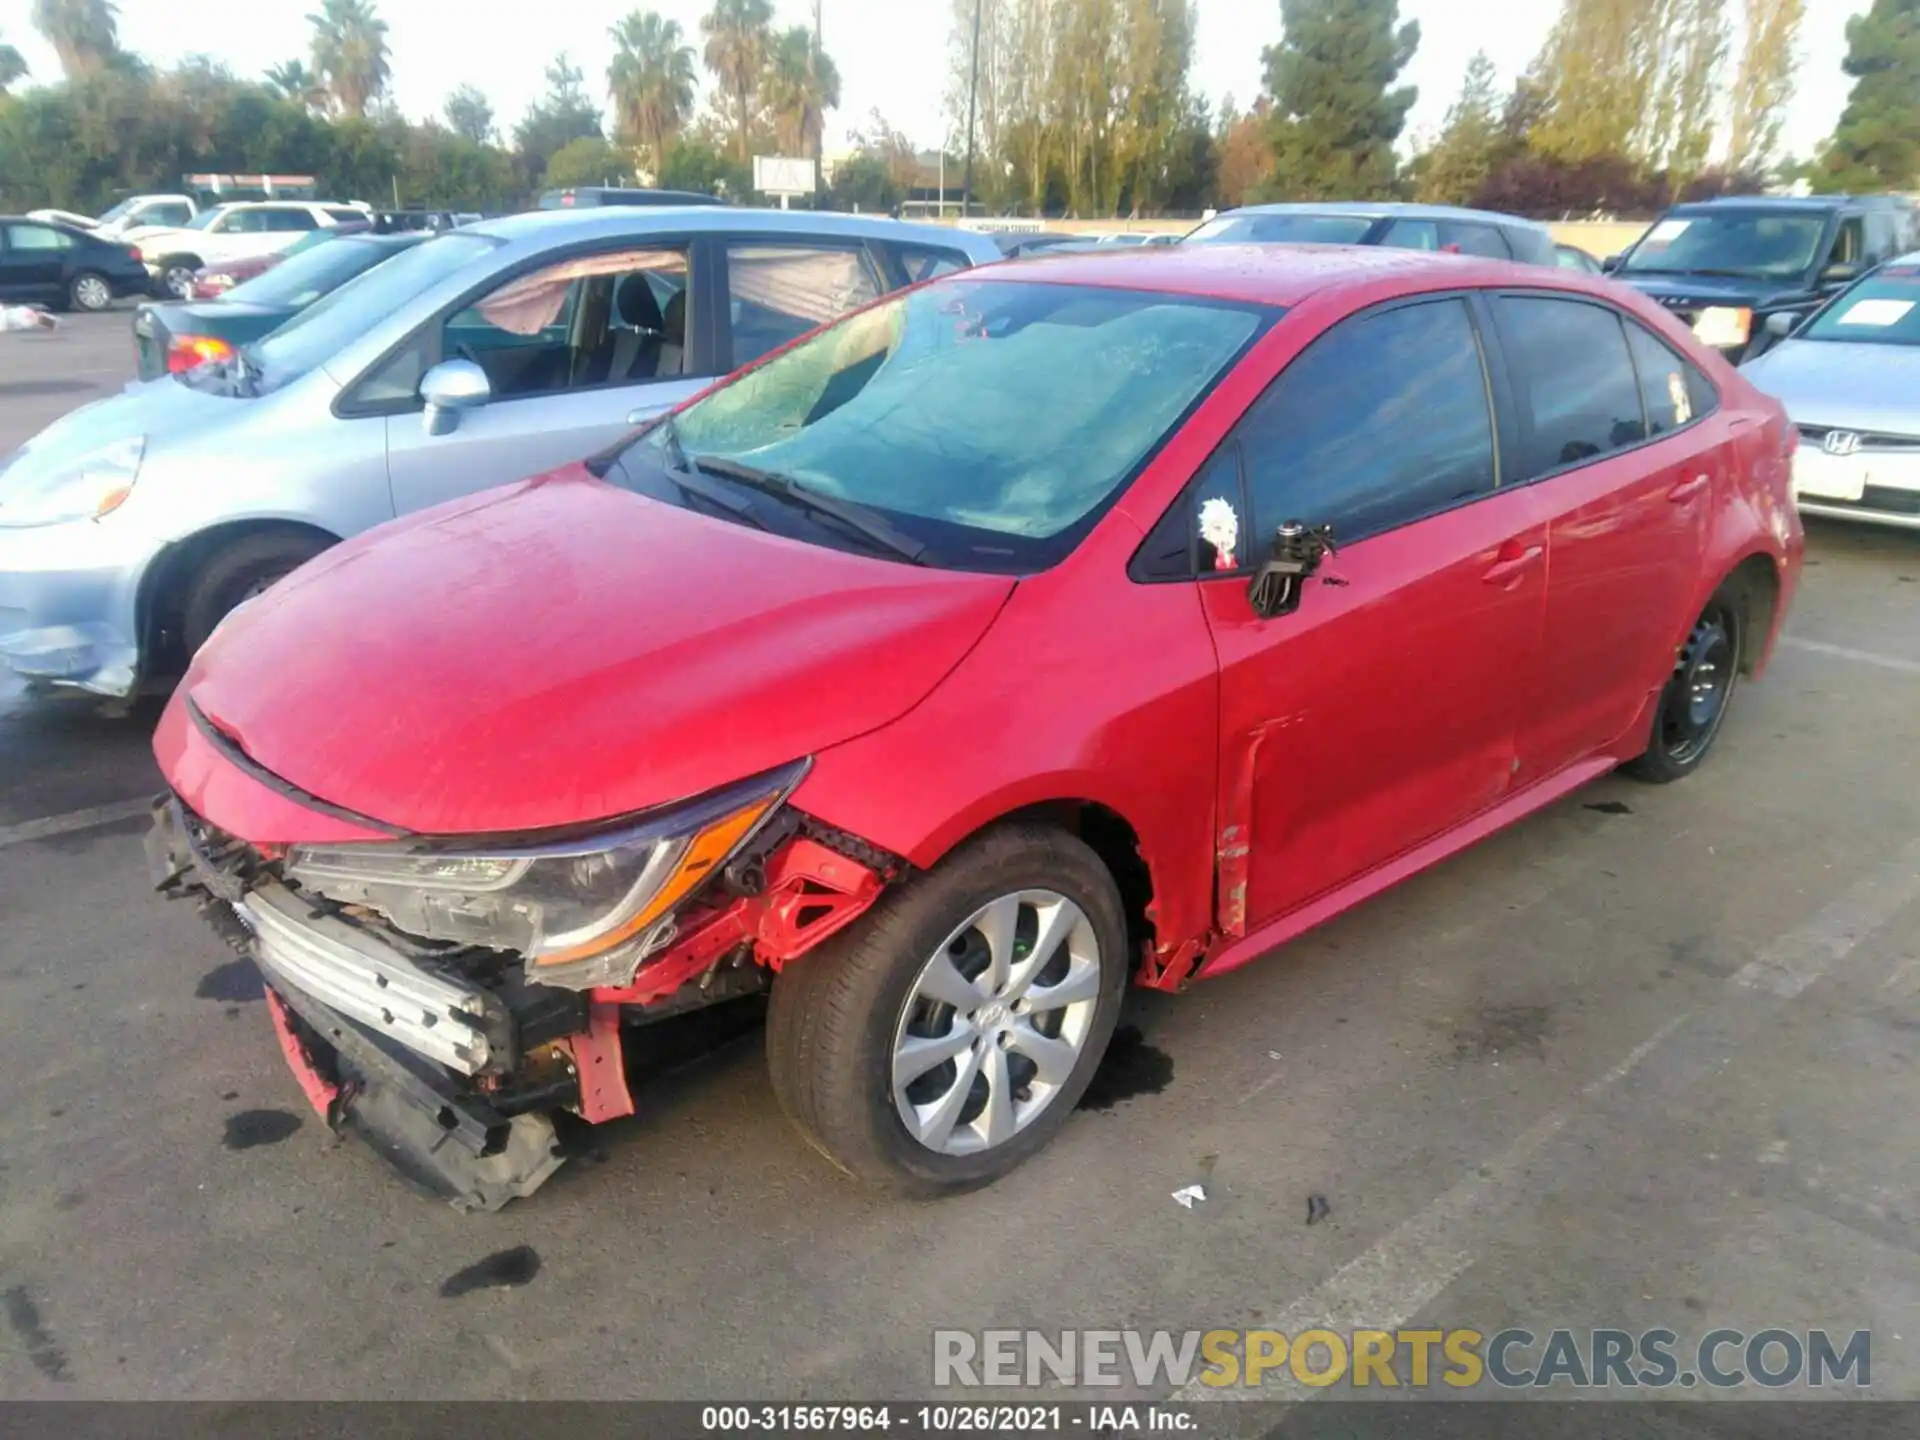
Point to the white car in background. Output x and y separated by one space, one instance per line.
138 212
1849 375
237 231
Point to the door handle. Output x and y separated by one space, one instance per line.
1510 570
1687 489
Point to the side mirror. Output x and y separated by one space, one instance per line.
449 388
1297 553
1835 276
1780 324
1611 263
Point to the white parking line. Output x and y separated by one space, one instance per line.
1847 652
1404 1272
1389 1283
71 821
1808 951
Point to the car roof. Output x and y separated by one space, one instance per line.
1380 210
1788 202
612 221
1281 275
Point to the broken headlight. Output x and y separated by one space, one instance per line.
584 911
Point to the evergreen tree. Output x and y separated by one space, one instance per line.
1877 143
1337 111
1469 142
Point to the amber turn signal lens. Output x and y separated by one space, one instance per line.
704 854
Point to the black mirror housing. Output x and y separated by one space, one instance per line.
1297 553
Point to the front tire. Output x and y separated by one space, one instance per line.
1694 704
947 1036
238 572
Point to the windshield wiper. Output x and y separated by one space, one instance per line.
852 515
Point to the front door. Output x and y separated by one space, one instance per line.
577 352
1616 443
1383 710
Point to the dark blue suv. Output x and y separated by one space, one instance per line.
1724 266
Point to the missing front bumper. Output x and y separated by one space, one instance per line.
446 1140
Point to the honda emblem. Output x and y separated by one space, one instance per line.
1840 442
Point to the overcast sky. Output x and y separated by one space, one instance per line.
892 54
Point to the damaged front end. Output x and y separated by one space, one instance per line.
442 1000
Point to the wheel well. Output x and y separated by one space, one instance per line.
1758 584
184 257
1107 833
163 591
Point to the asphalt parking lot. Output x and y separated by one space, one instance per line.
1647 1060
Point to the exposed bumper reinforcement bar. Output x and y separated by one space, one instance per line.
356 974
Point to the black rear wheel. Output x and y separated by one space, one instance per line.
1694 704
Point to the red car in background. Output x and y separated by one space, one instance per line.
212 281
1074 622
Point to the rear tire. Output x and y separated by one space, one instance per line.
851 1024
238 572
176 280
1694 704
89 292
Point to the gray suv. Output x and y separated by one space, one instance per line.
1406 227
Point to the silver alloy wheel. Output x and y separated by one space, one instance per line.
90 292
995 1022
178 282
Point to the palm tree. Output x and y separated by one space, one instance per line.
12 65
83 33
651 82
299 84
738 36
801 86
350 53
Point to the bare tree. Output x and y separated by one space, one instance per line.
1765 83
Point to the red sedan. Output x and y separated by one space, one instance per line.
1099 619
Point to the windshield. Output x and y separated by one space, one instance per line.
115 212
205 218
1764 244
1883 309
304 277
989 421
1288 229
324 328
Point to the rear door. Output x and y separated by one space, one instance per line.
1614 445
577 351
31 264
1383 710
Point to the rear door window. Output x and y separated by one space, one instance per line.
928 262
291 220
1382 421
39 237
1471 239
1412 235
1578 394
1672 391
778 292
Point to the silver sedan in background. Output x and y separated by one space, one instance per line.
1849 375
131 527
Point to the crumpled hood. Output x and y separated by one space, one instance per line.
1843 385
560 650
